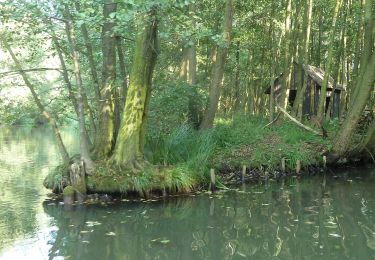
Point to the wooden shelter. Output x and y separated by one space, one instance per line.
312 94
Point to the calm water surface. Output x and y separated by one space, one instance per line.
320 217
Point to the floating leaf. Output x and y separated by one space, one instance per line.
110 234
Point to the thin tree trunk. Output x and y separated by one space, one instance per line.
51 120
129 146
237 94
287 71
220 55
323 91
305 60
90 57
70 88
123 70
104 140
84 142
188 70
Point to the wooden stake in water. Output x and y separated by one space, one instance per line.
283 164
324 161
213 180
298 167
243 173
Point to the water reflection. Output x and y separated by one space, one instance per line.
305 219
313 218
26 156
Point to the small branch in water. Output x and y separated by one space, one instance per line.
372 157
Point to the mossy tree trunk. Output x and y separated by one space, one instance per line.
220 55
368 43
128 151
122 90
49 117
104 139
369 141
365 85
363 88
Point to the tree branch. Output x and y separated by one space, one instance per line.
299 123
8 73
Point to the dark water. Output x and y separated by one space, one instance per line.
312 218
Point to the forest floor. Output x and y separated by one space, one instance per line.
180 161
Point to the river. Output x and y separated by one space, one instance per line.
322 217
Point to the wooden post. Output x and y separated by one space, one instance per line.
298 167
243 173
324 162
283 164
213 179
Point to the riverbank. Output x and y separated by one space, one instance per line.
239 149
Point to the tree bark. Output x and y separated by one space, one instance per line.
218 69
104 140
129 145
121 92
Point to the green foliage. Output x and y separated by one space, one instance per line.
174 104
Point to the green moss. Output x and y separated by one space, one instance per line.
110 179
68 191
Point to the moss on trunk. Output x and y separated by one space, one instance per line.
129 143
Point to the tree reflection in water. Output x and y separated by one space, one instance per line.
309 218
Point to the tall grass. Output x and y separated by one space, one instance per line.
235 142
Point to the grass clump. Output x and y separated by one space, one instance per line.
111 179
57 179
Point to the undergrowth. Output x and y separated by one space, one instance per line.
180 159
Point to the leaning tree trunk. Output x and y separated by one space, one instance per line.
368 143
365 85
105 134
368 43
130 140
51 120
218 69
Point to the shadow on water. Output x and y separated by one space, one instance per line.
319 217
